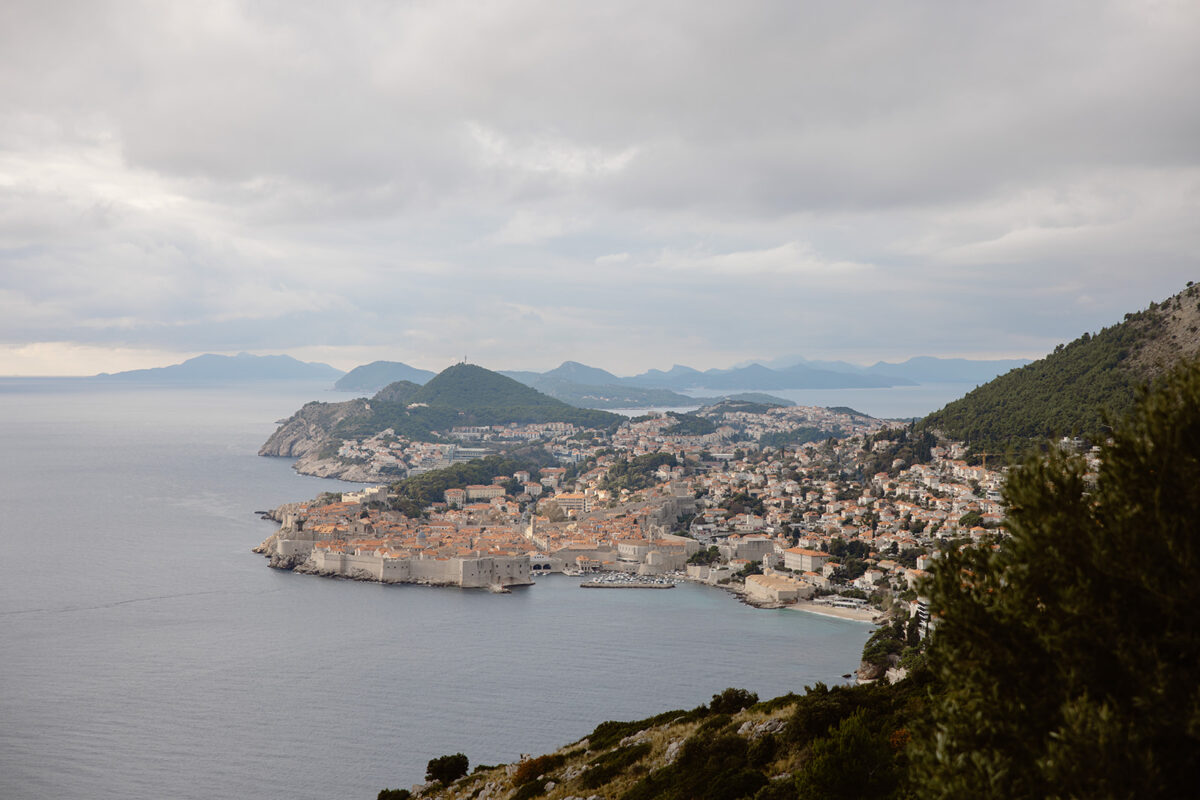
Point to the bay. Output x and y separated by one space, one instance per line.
889 402
147 653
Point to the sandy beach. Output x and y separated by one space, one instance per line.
859 614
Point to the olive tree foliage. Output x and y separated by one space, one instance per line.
1069 656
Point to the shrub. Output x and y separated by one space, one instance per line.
854 761
1069 655
532 768
776 703
731 701
708 768
608 766
609 733
446 769
529 790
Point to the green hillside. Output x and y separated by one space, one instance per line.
464 394
398 392
466 386
1073 390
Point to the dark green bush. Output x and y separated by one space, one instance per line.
609 765
446 769
776 703
708 768
529 790
609 733
731 701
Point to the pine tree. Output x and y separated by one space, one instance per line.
1069 656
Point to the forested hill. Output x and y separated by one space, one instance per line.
1069 391
463 394
466 386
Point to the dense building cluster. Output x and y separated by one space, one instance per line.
707 496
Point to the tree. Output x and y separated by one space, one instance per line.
446 769
731 701
553 511
1069 655
752 568
970 519
853 762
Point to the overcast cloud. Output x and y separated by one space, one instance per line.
625 184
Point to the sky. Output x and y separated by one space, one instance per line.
626 184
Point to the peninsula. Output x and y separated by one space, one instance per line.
819 509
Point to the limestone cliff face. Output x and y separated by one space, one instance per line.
310 464
307 431
873 672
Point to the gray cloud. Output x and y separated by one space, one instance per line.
629 183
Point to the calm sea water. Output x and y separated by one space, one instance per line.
147 653
896 402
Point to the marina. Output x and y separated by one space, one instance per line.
622 580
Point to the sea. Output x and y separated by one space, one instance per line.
891 403
895 402
148 653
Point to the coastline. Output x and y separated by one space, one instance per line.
855 614
867 614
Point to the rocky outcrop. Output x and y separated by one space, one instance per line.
753 730
870 672
295 561
313 464
306 566
309 429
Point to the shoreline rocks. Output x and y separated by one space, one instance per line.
309 429
312 464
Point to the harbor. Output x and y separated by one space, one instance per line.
620 580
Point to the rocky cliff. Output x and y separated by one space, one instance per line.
312 464
309 429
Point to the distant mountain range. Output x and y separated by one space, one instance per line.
760 378
241 368
378 374
592 387
920 369
1069 391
